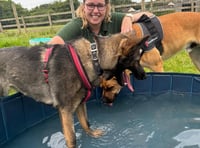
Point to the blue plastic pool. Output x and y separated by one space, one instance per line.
163 111
37 41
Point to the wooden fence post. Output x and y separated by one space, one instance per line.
72 8
16 16
192 5
1 27
113 8
24 24
49 18
143 5
151 5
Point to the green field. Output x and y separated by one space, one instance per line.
178 63
181 62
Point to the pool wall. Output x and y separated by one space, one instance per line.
19 112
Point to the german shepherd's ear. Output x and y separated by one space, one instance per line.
131 41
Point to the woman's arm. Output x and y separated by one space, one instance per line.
70 31
56 40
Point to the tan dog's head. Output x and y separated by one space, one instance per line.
129 59
110 89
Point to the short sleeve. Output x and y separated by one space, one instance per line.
116 22
71 30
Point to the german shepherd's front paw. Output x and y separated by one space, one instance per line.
95 133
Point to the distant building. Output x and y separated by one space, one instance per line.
186 5
131 10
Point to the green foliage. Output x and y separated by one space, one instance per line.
57 6
120 2
5 10
159 13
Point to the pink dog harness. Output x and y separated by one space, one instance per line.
77 65
81 72
45 61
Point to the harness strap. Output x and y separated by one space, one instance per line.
94 51
45 61
81 72
95 58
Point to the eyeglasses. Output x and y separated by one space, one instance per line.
91 6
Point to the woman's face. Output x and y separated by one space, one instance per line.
95 11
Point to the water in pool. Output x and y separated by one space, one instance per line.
168 120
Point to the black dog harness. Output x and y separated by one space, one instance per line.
152 27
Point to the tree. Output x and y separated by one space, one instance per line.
7 12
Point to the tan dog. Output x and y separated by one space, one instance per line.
180 30
110 89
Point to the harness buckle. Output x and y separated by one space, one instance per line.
94 51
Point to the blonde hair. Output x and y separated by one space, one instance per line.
80 13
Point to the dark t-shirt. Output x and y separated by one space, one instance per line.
73 30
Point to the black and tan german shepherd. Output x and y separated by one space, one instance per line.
52 78
181 30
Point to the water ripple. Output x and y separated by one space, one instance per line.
188 138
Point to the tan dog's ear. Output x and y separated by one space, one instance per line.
102 82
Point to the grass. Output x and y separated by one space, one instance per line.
12 37
179 63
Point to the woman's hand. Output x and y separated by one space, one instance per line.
127 24
129 19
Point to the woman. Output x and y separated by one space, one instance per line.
94 17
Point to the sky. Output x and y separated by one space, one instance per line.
29 4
